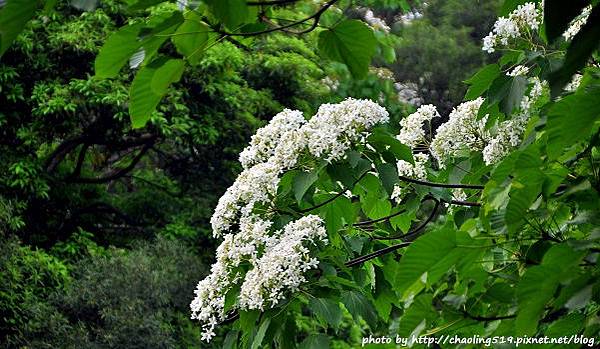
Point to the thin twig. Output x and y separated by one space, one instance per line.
362 259
333 197
417 229
441 185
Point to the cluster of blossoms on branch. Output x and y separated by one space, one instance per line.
464 132
523 22
277 259
518 24
577 23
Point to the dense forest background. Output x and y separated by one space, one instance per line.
99 253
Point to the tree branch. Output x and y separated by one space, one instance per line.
487 318
333 197
441 185
417 229
373 255
315 17
115 175
270 2
463 203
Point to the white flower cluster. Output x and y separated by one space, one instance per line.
509 133
527 17
376 22
382 73
263 143
411 132
259 285
519 70
277 259
330 133
410 16
408 93
574 83
283 264
406 169
462 132
332 84
576 25
254 185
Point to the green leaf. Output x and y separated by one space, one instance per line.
14 16
247 320
388 175
558 14
302 182
260 335
230 341
358 305
420 310
231 297
431 256
157 31
326 310
351 42
191 38
149 86
539 283
232 13
571 120
508 91
382 140
515 95
315 341
510 5
581 48
525 188
481 81
117 50
384 298
167 74
135 5
568 325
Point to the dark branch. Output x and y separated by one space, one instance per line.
270 2
417 229
332 198
463 203
441 185
61 151
373 221
315 17
80 159
373 255
115 175
487 318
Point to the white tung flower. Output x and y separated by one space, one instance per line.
411 132
283 264
522 20
330 133
574 83
376 22
208 305
406 169
462 132
509 133
519 70
278 259
263 143
257 184
577 23
408 93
